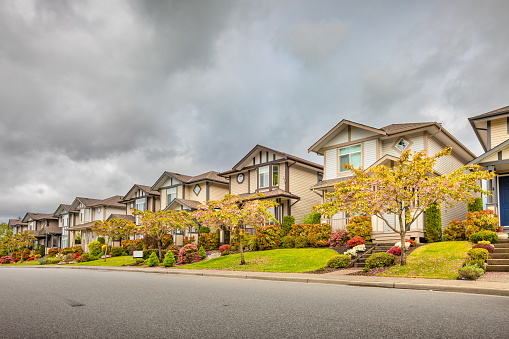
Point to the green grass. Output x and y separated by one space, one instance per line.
113 261
285 260
24 263
439 260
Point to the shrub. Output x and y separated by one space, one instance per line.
339 261
338 238
352 252
360 226
147 253
43 261
53 261
138 244
169 259
379 260
189 240
225 249
411 242
301 242
188 254
479 221
16 255
149 242
42 250
204 229
101 240
234 239
477 262
65 250
455 231
94 248
253 245
88 257
202 252
76 257
395 251
487 247
26 254
478 254
117 251
77 240
106 249
166 241
298 230
52 252
152 261
474 205
77 249
6 260
355 241
288 241
490 236
174 249
471 272
209 241
312 218
318 234
484 242
433 224
286 226
268 237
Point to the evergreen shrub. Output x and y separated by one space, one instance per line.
288 221
433 224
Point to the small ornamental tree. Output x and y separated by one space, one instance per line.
21 239
234 213
115 228
404 191
161 223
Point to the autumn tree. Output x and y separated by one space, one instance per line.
160 223
234 213
114 229
405 190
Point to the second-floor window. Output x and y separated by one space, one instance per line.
171 193
140 204
31 225
265 177
350 155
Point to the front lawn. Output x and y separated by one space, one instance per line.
439 260
113 261
295 260
24 263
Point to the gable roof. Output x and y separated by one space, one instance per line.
187 179
191 204
113 201
16 222
496 112
479 124
121 216
283 155
147 189
489 153
38 216
62 208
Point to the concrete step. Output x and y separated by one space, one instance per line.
499 255
359 264
501 250
497 268
498 261
502 245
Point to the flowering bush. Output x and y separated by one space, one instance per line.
225 249
189 240
188 254
317 235
174 249
351 253
490 236
360 226
30 258
360 248
16 255
411 242
395 251
339 261
381 259
76 257
355 241
209 241
268 237
398 244
338 238
455 231
25 254
478 221
52 251
487 247
6 260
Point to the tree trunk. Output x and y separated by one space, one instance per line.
242 261
105 251
403 249
159 247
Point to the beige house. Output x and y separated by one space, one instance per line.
66 218
143 198
365 146
90 210
492 130
17 225
279 176
184 192
44 227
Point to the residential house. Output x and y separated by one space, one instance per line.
44 227
91 210
492 130
17 225
365 146
142 198
279 176
66 218
185 192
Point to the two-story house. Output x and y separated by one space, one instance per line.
184 192
279 176
44 227
91 210
365 146
66 218
142 198
492 130
17 225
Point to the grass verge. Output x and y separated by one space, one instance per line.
113 261
24 263
296 260
439 260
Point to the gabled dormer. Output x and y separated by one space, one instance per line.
492 128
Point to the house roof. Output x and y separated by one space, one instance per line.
121 216
191 204
187 179
61 208
38 216
113 201
147 189
490 152
83 226
16 222
330 182
479 124
283 155
398 128
269 194
51 230
496 112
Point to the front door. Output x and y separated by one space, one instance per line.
503 186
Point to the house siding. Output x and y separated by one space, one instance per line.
237 188
498 131
417 140
369 153
301 181
217 191
331 164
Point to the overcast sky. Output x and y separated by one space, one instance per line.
96 96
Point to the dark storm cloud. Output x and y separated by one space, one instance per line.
98 95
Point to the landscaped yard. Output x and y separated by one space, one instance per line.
24 263
439 260
283 260
113 261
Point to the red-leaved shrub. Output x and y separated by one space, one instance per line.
355 241
395 251
188 254
488 247
412 242
225 249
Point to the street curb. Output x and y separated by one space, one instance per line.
252 275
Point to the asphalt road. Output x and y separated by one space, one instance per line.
62 303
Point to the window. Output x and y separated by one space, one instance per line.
196 189
263 174
275 175
402 144
350 155
140 204
31 225
171 193
87 214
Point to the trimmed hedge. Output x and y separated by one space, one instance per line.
490 236
433 224
339 261
380 260
478 254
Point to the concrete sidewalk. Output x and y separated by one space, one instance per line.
499 287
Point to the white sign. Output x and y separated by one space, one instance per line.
137 254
